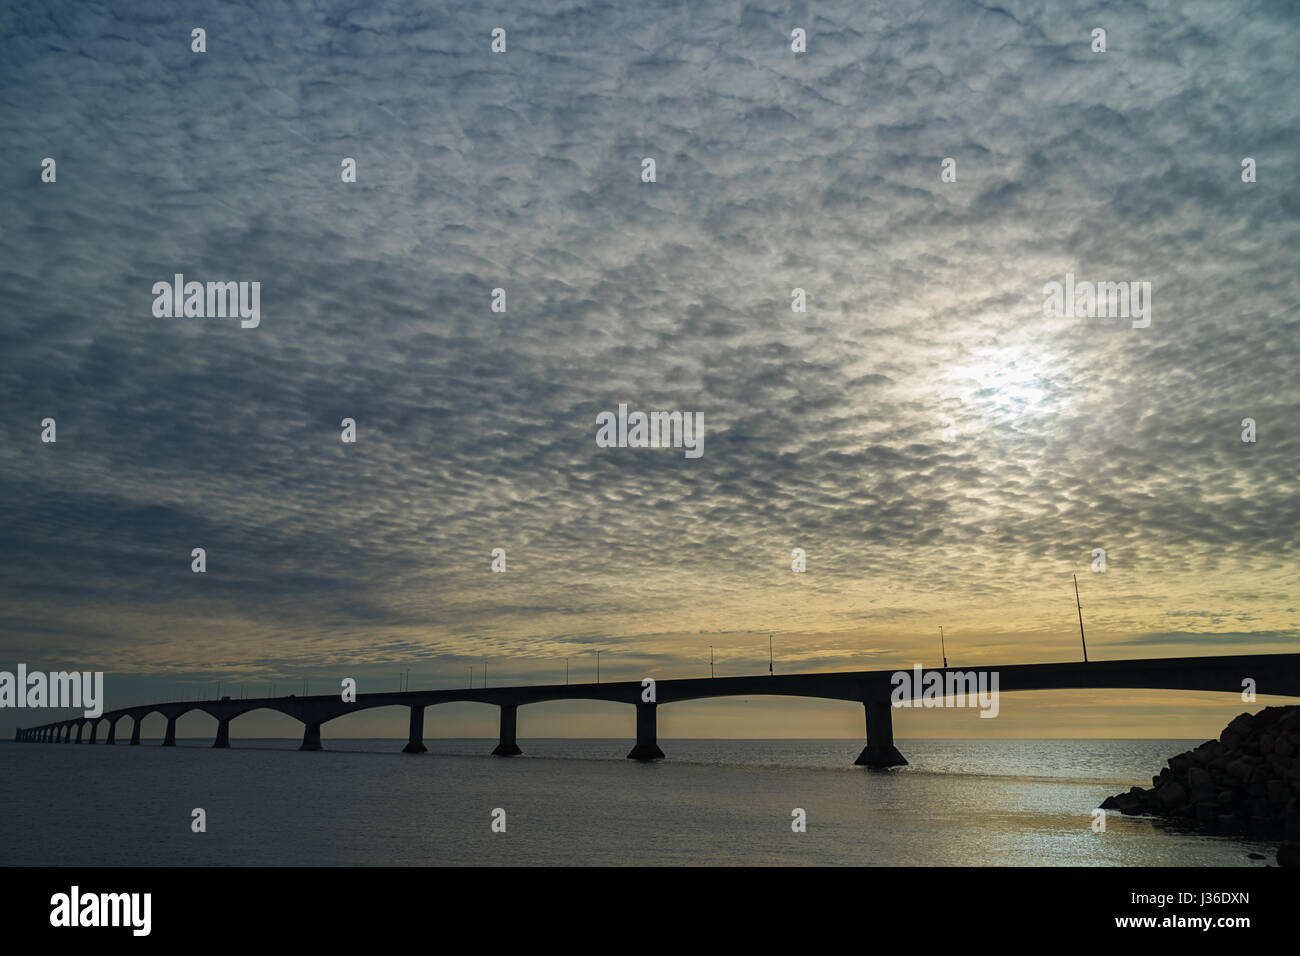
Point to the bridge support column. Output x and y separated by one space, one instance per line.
67 733
507 747
135 731
880 750
80 727
647 744
414 738
169 739
112 732
94 731
223 734
311 737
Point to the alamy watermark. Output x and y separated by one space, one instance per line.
655 430
75 908
198 300
57 689
922 688
1091 300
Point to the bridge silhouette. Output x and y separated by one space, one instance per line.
1272 674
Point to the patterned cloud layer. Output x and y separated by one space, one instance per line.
943 451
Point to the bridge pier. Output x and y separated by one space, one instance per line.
647 744
169 739
135 731
223 734
880 750
67 733
311 736
414 738
80 727
507 747
94 731
112 732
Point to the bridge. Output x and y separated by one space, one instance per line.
1272 674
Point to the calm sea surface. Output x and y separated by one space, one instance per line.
570 802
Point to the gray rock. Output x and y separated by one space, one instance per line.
1172 794
1240 768
1241 726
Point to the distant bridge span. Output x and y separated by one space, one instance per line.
1273 674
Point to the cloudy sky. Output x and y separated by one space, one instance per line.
944 452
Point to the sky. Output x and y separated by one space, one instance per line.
945 452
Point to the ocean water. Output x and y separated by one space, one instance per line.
576 802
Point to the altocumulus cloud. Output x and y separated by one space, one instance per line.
923 431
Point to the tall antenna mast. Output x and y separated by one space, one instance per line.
942 647
1080 607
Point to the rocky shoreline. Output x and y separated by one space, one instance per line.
1246 783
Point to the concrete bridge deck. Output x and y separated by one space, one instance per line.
1272 674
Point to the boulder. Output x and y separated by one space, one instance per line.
1207 814
1230 824
1245 783
1240 769
1172 795
1291 826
